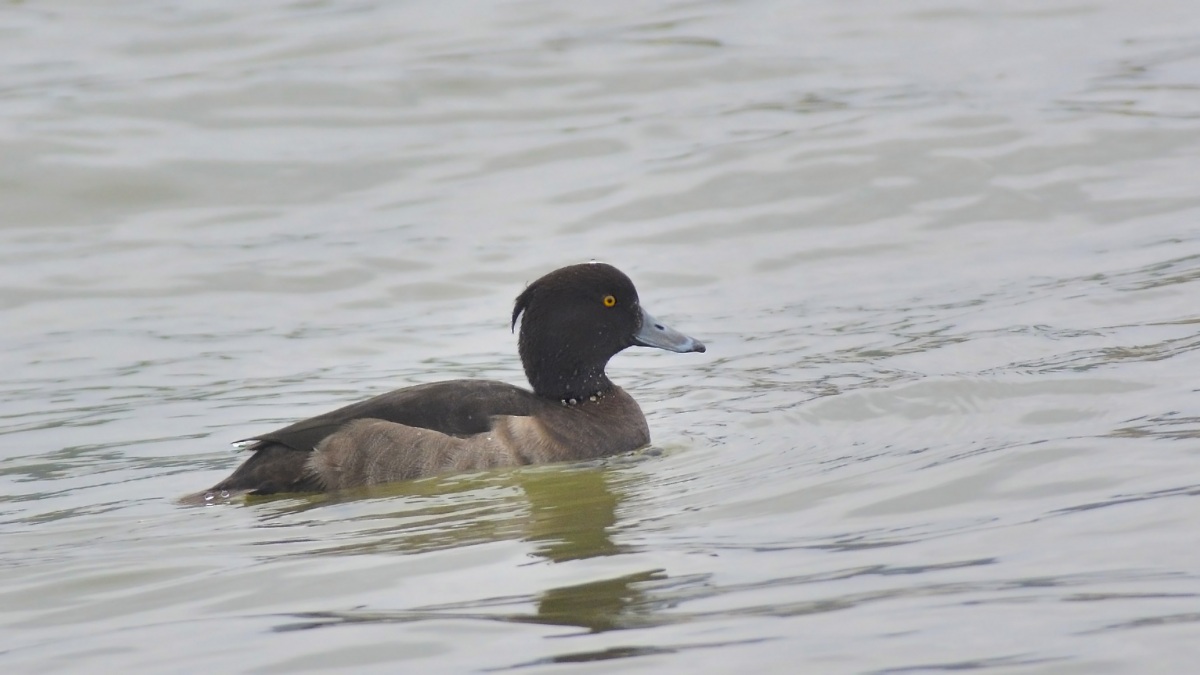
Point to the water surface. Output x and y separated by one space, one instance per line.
945 257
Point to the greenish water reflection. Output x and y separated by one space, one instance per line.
571 513
572 516
566 513
598 606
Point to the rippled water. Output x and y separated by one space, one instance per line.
945 255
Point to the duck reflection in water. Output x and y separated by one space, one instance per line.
571 513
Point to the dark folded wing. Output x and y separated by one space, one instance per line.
456 407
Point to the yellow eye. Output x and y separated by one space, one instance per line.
609 301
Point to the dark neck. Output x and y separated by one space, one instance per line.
561 373
567 383
561 363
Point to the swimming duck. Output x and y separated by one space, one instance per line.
574 320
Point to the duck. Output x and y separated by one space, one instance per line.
573 321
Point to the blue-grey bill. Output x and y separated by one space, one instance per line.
655 333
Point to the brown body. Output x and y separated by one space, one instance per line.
363 452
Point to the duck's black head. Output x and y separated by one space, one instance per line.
576 319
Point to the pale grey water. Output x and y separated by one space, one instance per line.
946 256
